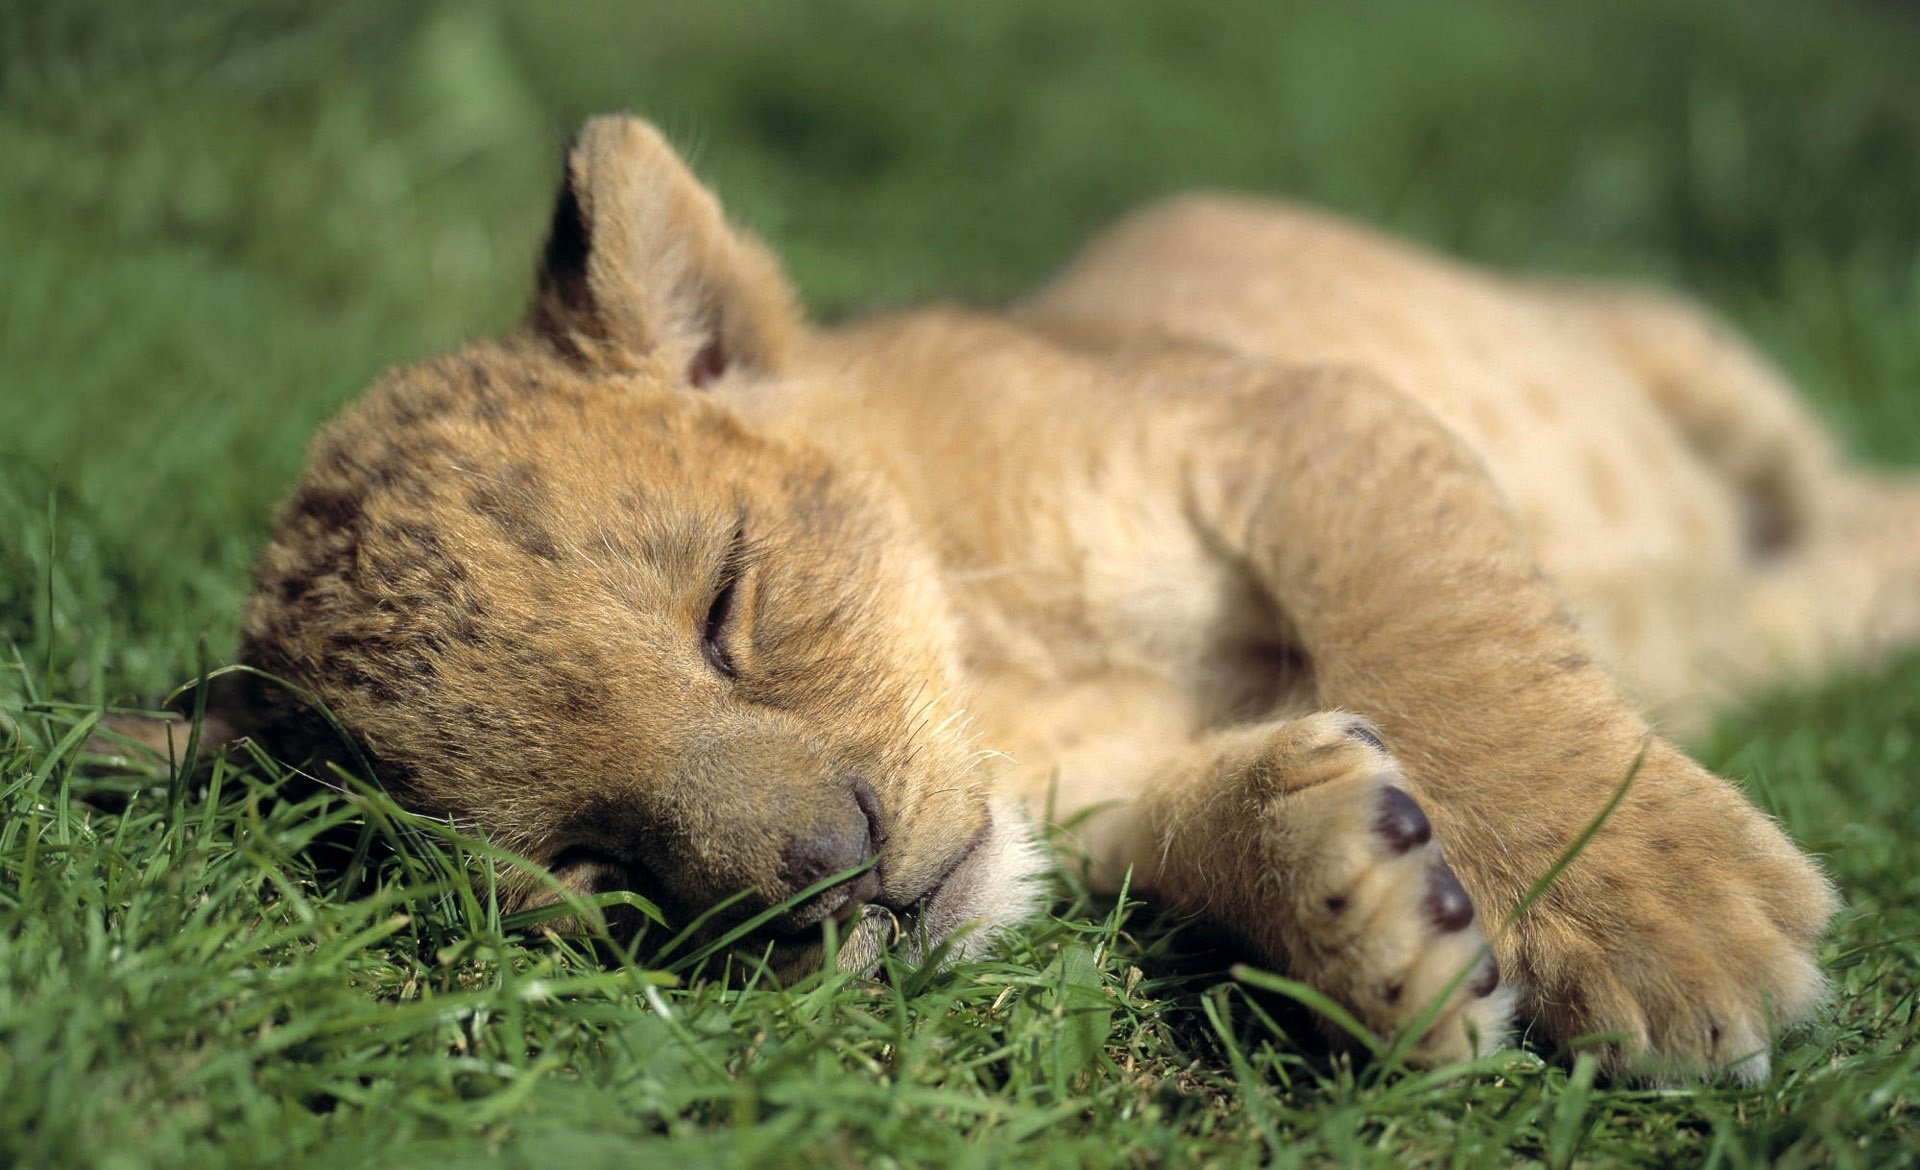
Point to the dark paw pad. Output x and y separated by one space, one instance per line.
1401 823
1447 904
1484 978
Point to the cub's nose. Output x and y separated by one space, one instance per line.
832 845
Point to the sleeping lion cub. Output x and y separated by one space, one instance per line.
1335 583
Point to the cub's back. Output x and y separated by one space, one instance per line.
1625 515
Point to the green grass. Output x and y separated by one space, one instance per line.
219 220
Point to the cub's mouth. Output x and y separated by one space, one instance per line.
994 882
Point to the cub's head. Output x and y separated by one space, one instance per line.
559 591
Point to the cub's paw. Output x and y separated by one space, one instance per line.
1369 910
1680 943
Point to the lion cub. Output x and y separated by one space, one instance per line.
1337 580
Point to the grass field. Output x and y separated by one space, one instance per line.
219 220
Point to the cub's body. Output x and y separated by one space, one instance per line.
1246 528
1692 512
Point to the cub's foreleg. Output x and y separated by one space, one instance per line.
1684 930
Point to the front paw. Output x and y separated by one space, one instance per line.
1680 942
1371 912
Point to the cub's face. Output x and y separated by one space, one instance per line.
560 593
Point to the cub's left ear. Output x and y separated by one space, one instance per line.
642 269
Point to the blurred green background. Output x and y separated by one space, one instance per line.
219 220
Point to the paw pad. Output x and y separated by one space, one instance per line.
1485 978
1401 823
1447 904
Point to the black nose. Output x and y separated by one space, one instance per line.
846 841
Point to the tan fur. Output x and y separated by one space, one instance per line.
1147 548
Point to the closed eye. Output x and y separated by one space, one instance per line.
713 635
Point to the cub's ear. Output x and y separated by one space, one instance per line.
642 269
